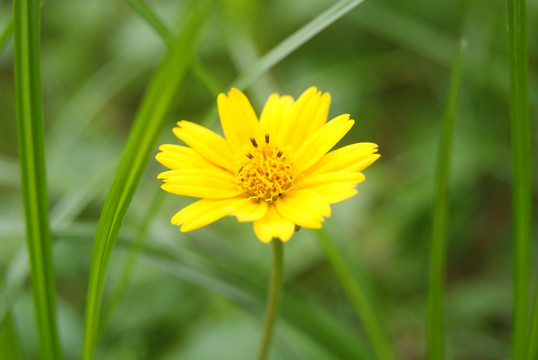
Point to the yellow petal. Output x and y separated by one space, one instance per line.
273 114
248 210
334 187
201 213
355 157
319 143
306 116
330 178
335 192
203 183
182 157
206 143
273 225
305 208
238 119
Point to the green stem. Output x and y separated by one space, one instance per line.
521 174
357 295
275 285
436 319
30 131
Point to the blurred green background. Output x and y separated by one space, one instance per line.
194 295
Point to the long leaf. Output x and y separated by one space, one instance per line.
435 346
30 129
521 174
295 40
140 145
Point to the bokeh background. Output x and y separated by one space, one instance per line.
171 295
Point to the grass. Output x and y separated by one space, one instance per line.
521 175
155 293
30 129
436 282
140 145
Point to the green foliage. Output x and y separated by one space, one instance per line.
116 76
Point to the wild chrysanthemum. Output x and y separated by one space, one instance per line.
276 171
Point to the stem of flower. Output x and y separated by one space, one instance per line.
275 285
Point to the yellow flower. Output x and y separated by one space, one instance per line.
276 171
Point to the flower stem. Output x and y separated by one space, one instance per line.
273 297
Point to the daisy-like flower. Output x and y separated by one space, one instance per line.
276 171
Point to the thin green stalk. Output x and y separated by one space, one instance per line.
521 174
273 298
357 296
140 145
30 130
435 343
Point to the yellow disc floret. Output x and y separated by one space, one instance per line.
264 171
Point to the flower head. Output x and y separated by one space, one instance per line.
277 171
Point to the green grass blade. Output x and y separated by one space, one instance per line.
146 13
435 343
140 144
287 46
5 35
294 41
30 129
357 295
521 174
207 79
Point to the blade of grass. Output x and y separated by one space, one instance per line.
5 35
357 294
287 46
521 174
140 144
147 14
294 41
30 130
435 343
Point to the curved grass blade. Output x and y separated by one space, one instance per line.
521 174
435 343
30 130
291 43
357 295
142 9
140 144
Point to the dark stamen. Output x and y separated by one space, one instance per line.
253 141
267 138
279 154
249 155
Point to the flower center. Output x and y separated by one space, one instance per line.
264 171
